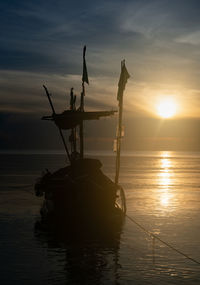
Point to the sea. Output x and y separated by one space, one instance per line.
159 242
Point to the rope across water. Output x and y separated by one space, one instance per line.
162 241
148 232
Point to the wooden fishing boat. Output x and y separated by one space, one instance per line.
80 192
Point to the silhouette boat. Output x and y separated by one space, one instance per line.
80 192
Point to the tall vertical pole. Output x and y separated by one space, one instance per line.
72 137
84 79
81 124
121 86
119 135
74 130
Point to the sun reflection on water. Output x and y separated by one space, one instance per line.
165 180
165 163
164 199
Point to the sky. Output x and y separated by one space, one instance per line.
42 42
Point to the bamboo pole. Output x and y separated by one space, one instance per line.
81 134
119 132
121 86
84 79
60 131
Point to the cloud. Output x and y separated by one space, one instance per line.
190 38
48 36
41 43
161 18
23 92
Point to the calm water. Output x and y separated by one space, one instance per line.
163 194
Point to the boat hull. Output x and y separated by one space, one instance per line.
82 195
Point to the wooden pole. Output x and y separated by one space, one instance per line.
121 86
60 131
119 135
81 134
84 79
74 129
72 137
65 145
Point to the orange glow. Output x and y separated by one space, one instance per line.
166 108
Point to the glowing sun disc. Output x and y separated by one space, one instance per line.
166 108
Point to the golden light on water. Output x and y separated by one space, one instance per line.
166 108
165 199
165 180
165 154
165 163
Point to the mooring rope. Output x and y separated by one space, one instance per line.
151 234
162 241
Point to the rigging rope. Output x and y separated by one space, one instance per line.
162 241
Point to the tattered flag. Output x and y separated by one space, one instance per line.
85 74
124 76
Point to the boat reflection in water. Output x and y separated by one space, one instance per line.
167 205
83 258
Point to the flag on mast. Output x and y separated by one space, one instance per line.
85 74
124 76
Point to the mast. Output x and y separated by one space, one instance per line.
84 79
81 124
121 87
72 137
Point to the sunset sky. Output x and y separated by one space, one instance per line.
42 41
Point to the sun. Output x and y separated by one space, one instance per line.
166 108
